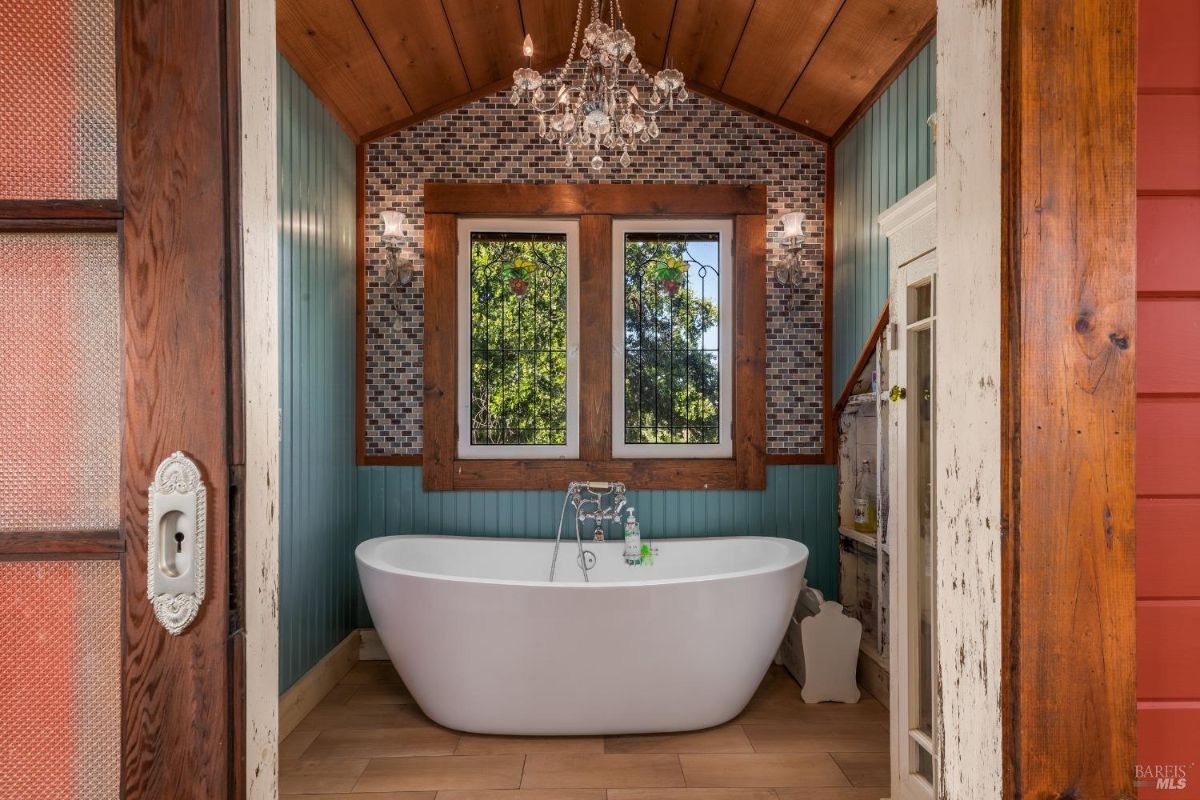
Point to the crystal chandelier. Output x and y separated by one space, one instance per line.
593 102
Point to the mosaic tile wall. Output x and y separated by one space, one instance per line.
489 140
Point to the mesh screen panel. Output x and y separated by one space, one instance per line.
60 679
58 111
60 366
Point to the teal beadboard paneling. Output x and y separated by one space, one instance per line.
799 503
318 581
886 155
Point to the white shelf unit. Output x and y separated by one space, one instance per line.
865 539
864 558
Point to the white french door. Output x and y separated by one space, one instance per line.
915 749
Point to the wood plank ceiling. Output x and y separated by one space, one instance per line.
381 65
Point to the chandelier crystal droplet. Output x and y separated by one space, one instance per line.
592 105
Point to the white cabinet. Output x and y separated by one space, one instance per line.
863 561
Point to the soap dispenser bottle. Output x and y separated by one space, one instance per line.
633 539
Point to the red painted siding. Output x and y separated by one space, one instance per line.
1167 737
1168 548
1168 443
1168 383
1169 344
1168 150
1168 31
1168 242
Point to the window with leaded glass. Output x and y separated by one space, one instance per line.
672 329
518 376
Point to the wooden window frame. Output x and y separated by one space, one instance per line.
595 206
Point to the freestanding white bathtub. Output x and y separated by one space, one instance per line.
487 644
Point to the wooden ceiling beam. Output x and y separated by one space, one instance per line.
755 111
704 36
452 103
758 56
858 50
912 51
488 36
650 22
329 46
420 50
777 42
550 23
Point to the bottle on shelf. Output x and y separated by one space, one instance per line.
865 520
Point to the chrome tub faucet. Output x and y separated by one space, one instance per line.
589 499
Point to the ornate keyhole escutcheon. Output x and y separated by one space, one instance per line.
176 536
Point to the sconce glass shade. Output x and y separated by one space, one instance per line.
393 224
793 225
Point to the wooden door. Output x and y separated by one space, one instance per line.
118 346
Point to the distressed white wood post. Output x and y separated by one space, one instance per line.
260 265
968 128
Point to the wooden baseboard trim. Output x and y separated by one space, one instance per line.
372 648
873 679
303 695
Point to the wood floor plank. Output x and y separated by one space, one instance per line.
762 770
818 737
367 672
772 710
417 773
329 714
778 700
294 745
865 769
319 777
340 693
572 771
381 743
828 794
372 796
368 739
722 739
384 693
518 794
692 794
478 745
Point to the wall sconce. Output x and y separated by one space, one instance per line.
399 271
790 272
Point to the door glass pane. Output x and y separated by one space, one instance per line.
922 302
518 339
60 394
58 109
924 764
60 662
672 338
921 359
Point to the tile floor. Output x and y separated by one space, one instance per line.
367 740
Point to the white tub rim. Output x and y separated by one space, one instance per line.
365 553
